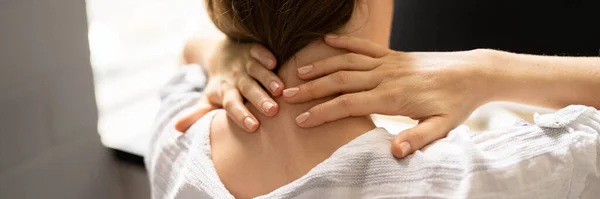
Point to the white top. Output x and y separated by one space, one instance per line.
558 157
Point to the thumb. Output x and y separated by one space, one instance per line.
201 109
427 131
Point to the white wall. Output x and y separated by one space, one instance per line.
49 145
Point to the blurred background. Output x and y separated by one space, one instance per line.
79 79
135 46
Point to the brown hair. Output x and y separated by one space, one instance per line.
282 26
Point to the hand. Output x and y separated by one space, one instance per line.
439 89
202 108
233 69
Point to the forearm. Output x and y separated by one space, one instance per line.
548 81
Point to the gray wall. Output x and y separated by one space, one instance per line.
49 145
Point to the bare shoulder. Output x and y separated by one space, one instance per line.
231 153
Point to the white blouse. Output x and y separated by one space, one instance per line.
557 157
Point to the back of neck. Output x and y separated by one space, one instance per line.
279 151
283 126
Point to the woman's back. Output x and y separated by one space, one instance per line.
279 151
345 158
561 160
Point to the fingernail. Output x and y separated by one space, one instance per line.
332 36
274 85
267 106
405 146
302 117
305 69
249 123
290 92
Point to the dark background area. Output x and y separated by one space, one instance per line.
549 27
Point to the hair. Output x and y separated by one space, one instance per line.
282 26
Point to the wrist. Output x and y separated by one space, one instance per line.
489 80
509 77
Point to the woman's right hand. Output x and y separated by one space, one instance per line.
233 70
439 89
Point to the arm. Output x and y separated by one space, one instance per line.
548 81
440 89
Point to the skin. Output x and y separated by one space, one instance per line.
426 86
440 89
233 69
237 69
279 151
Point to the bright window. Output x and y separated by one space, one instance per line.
135 47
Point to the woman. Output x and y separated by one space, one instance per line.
468 80
347 157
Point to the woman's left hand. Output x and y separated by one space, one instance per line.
235 71
439 89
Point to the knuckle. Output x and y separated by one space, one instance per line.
388 97
318 114
347 101
236 73
351 58
252 67
341 77
399 55
317 110
249 66
394 74
417 138
244 84
211 93
310 89
229 105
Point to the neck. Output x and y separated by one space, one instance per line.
282 128
279 152
289 75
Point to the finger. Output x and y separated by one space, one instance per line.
348 61
339 82
185 122
266 77
214 93
263 55
257 96
341 107
357 45
427 131
232 102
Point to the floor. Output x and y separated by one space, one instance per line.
132 175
